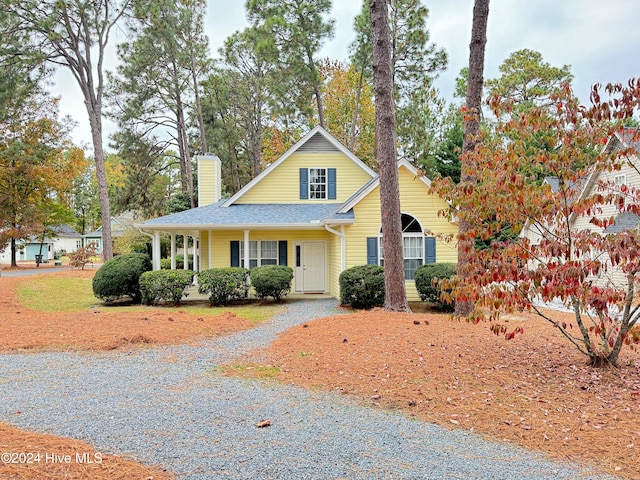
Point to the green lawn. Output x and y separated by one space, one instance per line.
67 294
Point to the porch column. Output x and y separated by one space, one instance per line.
173 251
155 250
343 249
246 249
196 253
185 265
210 248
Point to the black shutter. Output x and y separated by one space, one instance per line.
235 253
332 184
304 184
372 250
282 252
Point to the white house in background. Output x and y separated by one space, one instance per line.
66 239
63 238
585 188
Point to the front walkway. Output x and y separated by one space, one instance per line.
167 406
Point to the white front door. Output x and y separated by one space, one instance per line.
312 266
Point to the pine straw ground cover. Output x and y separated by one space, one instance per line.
102 328
534 391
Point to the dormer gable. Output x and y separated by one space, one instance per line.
317 169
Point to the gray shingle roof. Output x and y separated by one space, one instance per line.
253 214
625 221
65 231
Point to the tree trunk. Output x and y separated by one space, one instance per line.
196 91
14 262
354 122
471 128
395 294
95 122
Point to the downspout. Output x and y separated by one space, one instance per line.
343 260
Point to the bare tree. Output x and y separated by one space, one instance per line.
471 129
395 293
74 34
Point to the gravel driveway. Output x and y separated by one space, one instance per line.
164 406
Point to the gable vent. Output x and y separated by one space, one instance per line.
318 144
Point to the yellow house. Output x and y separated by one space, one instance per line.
316 209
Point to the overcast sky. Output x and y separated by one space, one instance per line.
599 39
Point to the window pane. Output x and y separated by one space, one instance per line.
410 267
412 247
269 249
318 183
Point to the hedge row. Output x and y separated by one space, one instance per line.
362 286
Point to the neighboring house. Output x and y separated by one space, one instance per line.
627 175
585 188
63 238
535 231
66 239
119 225
28 249
316 209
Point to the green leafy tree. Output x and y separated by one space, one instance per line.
147 171
298 28
249 78
416 62
528 81
349 110
74 34
157 79
37 165
21 66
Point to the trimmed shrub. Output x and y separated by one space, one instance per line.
223 284
427 278
168 285
180 261
120 277
271 281
362 286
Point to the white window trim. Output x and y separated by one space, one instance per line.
259 258
619 180
326 183
419 234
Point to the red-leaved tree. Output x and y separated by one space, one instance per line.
553 176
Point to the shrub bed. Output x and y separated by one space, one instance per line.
120 277
362 286
223 284
427 282
167 285
271 281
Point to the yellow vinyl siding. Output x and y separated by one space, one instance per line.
415 200
220 243
333 261
282 185
208 181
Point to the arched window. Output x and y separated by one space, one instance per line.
413 245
